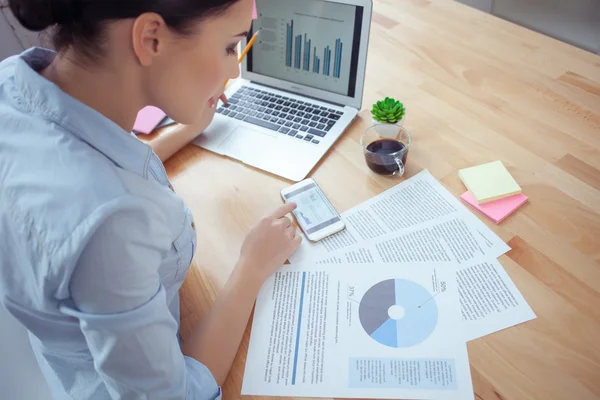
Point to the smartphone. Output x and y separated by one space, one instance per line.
315 214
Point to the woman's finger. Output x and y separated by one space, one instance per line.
297 241
224 98
284 221
283 210
291 232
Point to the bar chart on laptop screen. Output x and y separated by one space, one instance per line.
300 54
306 42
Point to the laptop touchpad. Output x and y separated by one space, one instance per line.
246 144
215 133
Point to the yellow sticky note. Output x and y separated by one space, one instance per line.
488 182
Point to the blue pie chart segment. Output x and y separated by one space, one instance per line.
387 333
414 324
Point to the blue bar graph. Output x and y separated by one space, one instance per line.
340 59
336 59
298 51
298 55
326 61
306 50
337 65
290 36
307 47
340 62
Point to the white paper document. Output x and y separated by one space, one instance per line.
416 221
383 332
489 299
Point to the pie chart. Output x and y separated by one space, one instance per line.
398 313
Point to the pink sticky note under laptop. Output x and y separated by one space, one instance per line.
496 210
254 11
147 119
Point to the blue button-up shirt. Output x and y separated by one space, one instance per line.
94 246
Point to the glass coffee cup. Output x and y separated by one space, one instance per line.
385 147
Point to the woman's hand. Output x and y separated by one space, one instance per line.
216 340
213 105
269 244
173 138
209 113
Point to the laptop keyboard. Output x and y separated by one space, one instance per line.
294 118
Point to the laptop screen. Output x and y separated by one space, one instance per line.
310 42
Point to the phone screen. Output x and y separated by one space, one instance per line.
314 212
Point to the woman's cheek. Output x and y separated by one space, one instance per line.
218 74
218 85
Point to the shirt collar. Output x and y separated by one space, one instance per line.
45 98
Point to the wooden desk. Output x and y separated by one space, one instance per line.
477 89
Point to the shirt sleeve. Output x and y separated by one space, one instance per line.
122 310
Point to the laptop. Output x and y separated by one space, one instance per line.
301 86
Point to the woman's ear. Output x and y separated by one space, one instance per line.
149 37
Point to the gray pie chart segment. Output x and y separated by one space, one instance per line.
373 309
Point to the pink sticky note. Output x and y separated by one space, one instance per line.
254 11
496 210
147 119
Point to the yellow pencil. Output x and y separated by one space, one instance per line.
246 50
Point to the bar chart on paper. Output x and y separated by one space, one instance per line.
309 42
301 54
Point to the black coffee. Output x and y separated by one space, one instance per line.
379 158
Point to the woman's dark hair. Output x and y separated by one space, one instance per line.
80 23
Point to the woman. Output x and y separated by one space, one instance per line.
95 244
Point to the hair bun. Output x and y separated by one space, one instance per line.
37 15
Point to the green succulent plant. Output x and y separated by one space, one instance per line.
388 111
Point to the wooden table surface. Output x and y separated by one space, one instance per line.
477 89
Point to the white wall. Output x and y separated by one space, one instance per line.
27 38
9 43
572 21
13 37
483 5
575 21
